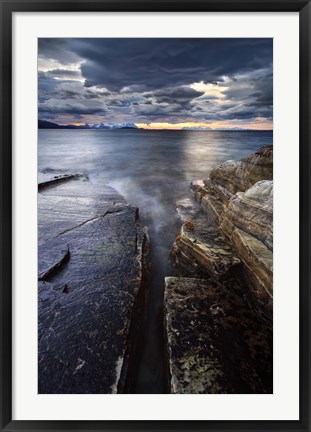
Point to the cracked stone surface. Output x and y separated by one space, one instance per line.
92 255
53 255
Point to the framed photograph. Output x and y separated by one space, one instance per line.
155 215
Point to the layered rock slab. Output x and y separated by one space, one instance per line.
251 211
258 261
215 342
237 176
87 304
218 314
245 217
201 249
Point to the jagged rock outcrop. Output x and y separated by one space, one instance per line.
93 261
231 177
224 246
258 262
202 249
243 220
252 212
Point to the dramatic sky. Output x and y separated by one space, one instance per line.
157 82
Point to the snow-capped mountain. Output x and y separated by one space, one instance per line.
114 126
197 128
42 124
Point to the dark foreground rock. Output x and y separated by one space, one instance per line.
93 261
224 247
216 343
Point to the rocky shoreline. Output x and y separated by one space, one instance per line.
94 271
218 312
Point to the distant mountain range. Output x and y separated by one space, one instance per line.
206 128
233 129
114 126
43 124
197 128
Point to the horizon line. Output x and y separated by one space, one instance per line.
137 126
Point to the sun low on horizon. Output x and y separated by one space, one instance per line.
157 83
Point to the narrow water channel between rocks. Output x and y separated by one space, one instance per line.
152 169
153 367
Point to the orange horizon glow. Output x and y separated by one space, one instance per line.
175 126
212 125
259 124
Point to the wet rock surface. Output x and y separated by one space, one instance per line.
223 255
93 253
46 179
53 255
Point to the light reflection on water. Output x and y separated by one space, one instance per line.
152 169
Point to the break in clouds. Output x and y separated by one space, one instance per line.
216 82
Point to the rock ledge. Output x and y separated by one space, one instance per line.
219 309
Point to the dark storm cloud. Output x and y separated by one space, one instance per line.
264 90
230 111
180 95
53 106
57 49
148 78
53 84
259 85
166 102
46 86
155 63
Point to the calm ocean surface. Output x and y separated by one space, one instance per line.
152 169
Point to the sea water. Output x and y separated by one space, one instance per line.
152 170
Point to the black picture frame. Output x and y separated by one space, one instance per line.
7 9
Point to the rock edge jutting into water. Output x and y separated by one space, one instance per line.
224 253
93 263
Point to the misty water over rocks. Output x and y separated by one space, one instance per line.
153 170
